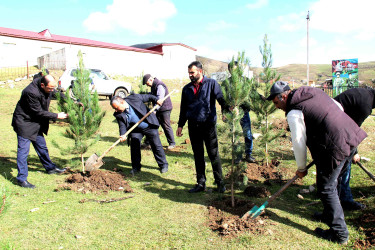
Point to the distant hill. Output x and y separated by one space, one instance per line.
296 72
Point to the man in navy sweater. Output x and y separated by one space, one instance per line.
198 101
130 111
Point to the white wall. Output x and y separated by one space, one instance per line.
173 64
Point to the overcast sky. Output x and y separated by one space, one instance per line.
218 29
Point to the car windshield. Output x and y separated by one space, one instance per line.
94 73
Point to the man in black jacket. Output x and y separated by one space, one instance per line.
198 102
30 121
316 121
130 111
358 104
159 89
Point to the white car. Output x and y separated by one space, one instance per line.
104 85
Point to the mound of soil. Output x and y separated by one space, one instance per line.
258 192
366 223
280 124
94 181
226 220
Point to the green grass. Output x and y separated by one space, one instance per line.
162 214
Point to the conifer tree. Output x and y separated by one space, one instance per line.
84 113
235 90
261 107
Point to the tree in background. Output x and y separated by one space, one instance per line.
84 119
236 91
142 87
261 107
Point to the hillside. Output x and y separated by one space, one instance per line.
296 72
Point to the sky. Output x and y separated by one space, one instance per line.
218 29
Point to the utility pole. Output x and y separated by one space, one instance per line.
308 20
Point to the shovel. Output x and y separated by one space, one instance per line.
256 211
94 162
367 172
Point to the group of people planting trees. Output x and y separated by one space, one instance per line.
329 128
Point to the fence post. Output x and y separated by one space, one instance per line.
27 66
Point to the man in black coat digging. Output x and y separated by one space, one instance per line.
128 112
30 121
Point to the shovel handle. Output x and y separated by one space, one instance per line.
134 126
275 195
367 172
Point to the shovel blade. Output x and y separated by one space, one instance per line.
92 163
258 211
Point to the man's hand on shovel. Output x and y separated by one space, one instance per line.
123 138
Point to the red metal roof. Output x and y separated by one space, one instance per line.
159 47
45 35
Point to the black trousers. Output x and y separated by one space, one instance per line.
164 118
152 135
205 133
328 180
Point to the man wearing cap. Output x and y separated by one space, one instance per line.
159 89
130 111
198 108
316 121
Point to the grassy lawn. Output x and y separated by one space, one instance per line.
162 213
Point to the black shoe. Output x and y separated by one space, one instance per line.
221 188
352 205
56 171
164 169
198 188
145 146
135 171
329 235
318 216
25 184
250 159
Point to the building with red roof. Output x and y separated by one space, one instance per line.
165 60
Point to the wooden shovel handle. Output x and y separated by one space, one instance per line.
367 172
275 195
134 126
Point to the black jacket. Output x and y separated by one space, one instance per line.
136 101
31 116
357 103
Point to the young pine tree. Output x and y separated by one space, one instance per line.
84 113
235 90
261 107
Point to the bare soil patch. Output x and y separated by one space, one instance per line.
258 192
366 224
96 181
226 220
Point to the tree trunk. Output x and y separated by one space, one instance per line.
83 164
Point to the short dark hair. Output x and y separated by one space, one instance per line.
230 65
197 64
117 99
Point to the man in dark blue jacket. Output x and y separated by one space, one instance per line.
198 101
130 111
30 121
159 89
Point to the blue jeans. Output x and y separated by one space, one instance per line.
246 128
23 149
346 192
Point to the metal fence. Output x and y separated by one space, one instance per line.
334 91
22 71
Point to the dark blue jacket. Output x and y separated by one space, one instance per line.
200 107
137 102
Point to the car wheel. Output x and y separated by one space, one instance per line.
121 92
